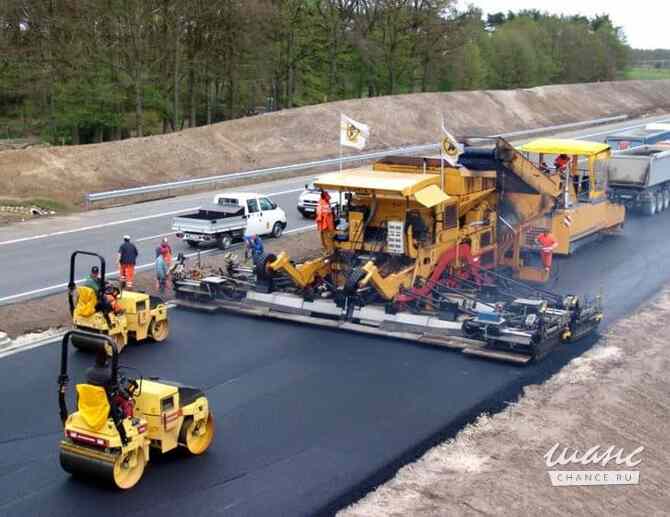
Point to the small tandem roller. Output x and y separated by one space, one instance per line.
118 419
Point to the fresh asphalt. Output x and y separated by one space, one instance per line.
307 419
34 255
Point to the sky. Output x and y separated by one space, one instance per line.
645 22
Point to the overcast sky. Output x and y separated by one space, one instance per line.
645 22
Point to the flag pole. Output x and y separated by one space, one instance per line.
340 139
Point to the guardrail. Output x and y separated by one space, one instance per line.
236 176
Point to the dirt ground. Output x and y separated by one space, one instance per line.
614 395
64 174
52 312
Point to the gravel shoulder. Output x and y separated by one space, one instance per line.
614 395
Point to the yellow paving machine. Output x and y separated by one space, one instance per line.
425 251
119 420
123 315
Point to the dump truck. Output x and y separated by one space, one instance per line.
640 178
420 248
647 135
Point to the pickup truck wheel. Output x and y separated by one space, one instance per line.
192 244
277 230
224 242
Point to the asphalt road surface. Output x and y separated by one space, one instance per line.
34 255
307 419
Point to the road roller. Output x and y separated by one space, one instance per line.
98 306
119 420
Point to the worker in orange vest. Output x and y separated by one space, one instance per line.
547 244
325 222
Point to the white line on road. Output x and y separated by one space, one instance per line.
123 221
154 237
138 268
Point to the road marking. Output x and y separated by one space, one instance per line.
619 129
138 268
96 226
154 237
124 221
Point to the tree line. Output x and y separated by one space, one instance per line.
80 71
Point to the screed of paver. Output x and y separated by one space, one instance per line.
615 395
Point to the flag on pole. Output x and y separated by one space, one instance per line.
451 149
352 133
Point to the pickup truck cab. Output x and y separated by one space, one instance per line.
232 216
309 199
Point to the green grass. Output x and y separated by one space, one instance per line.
647 73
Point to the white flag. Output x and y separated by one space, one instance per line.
352 133
451 149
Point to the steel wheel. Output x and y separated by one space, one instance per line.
197 438
128 469
159 330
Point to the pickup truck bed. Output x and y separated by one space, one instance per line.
220 224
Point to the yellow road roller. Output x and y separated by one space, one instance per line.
119 420
100 307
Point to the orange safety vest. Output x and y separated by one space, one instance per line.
324 216
547 241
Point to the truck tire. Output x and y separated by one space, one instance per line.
224 241
649 206
192 244
666 198
277 230
660 202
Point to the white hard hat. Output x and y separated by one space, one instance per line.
126 237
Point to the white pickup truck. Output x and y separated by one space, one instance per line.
232 216
309 199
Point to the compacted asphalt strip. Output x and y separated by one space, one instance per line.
307 419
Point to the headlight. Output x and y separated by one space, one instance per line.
300 202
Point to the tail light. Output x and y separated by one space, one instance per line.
86 439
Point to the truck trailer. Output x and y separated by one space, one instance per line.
640 178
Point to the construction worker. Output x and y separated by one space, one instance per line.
93 280
547 244
324 221
166 251
127 259
561 162
253 246
162 271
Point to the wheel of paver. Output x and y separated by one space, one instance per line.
128 469
159 330
192 244
277 230
224 241
197 438
649 206
262 266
